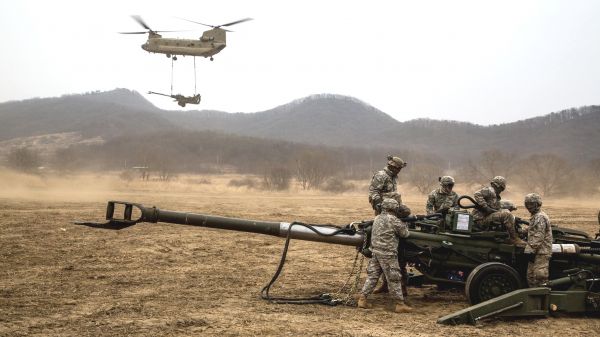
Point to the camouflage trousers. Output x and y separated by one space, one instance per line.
537 271
503 217
388 266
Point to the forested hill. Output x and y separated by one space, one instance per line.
106 114
331 120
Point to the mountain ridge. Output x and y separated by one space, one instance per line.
321 119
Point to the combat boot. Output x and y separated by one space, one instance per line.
514 239
382 288
363 303
401 307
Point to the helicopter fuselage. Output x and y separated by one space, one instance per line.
210 43
182 47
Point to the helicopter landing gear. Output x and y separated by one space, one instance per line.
174 58
211 58
168 56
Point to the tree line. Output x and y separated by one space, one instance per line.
313 167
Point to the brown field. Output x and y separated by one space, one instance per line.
60 279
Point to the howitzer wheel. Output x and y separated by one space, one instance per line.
491 279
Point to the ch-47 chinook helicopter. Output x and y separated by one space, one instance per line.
210 43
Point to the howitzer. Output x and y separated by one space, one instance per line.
446 252
180 99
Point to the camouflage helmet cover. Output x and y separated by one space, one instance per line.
532 198
446 180
389 204
396 162
499 181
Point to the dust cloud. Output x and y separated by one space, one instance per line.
81 187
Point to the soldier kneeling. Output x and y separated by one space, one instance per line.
387 229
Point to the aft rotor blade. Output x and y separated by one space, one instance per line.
200 23
235 22
139 20
133 32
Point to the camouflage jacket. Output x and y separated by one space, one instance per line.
382 182
386 230
485 197
439 199
539 234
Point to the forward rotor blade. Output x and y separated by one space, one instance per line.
139 20
155 31
235 22
170 31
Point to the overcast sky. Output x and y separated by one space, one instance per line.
481 61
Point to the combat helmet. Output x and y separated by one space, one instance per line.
396 162
446 181
499 183
533 202
389 204
533 198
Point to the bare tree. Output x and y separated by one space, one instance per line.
277 178
423 176
312 169
489 164
164 170
24 159
545 173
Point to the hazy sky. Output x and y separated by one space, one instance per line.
480 61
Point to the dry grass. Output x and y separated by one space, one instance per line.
59 279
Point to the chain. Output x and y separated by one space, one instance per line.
346 292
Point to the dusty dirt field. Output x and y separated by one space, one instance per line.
60 279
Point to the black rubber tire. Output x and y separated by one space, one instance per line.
489 280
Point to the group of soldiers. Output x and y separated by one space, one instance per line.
490 210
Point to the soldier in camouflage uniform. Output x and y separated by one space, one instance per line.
387 229
382 185
539 241
489 210
443 198
384 181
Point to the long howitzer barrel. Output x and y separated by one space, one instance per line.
348 235
158 93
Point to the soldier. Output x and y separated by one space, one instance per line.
539 241
384 181
443 198
489 210
387 228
